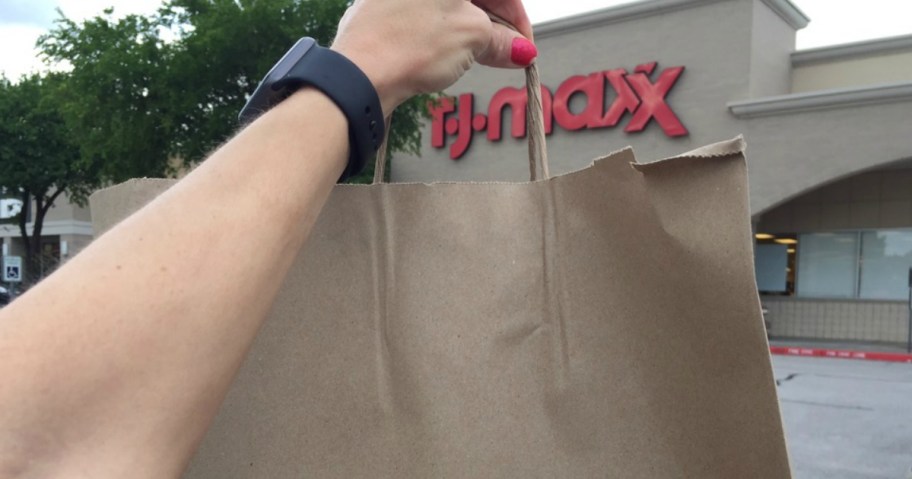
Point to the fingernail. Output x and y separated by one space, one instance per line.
523 52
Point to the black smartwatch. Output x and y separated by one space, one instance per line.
308 64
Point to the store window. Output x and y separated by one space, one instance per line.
886 259
858 264
827 265
774 263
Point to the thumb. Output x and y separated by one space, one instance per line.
507 49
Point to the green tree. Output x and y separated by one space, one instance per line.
146 89
115 100
39 160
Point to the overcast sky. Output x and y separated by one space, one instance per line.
832 21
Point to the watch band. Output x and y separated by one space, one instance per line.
350 89
306 63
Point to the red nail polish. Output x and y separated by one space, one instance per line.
523 52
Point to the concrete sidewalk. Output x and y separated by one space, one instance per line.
846 419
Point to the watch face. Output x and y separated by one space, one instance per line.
266 95
289 60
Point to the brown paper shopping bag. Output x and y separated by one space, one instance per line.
603 323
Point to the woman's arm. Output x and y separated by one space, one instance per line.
115 365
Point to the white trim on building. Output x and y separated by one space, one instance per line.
851 50
788 12
822 100
50 228
623 13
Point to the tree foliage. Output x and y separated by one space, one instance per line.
170 85
226 48
114 98
134 94
39 157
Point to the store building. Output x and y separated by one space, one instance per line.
67 230
829 134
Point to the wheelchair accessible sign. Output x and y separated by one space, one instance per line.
12 269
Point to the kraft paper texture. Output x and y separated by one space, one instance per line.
604 323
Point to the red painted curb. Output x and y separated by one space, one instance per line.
838 353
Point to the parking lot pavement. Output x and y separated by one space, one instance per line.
846 419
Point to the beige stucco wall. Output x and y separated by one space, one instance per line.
717 70
63 209
790 154
870 200
75 244
772 40
743 58
853 72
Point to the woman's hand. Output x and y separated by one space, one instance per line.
407 47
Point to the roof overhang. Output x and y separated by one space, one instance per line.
631 11
880 46
788 12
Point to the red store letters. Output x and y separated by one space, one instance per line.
636 94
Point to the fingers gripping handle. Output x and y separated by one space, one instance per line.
535 126
535 117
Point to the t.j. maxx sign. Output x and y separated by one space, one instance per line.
636 94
